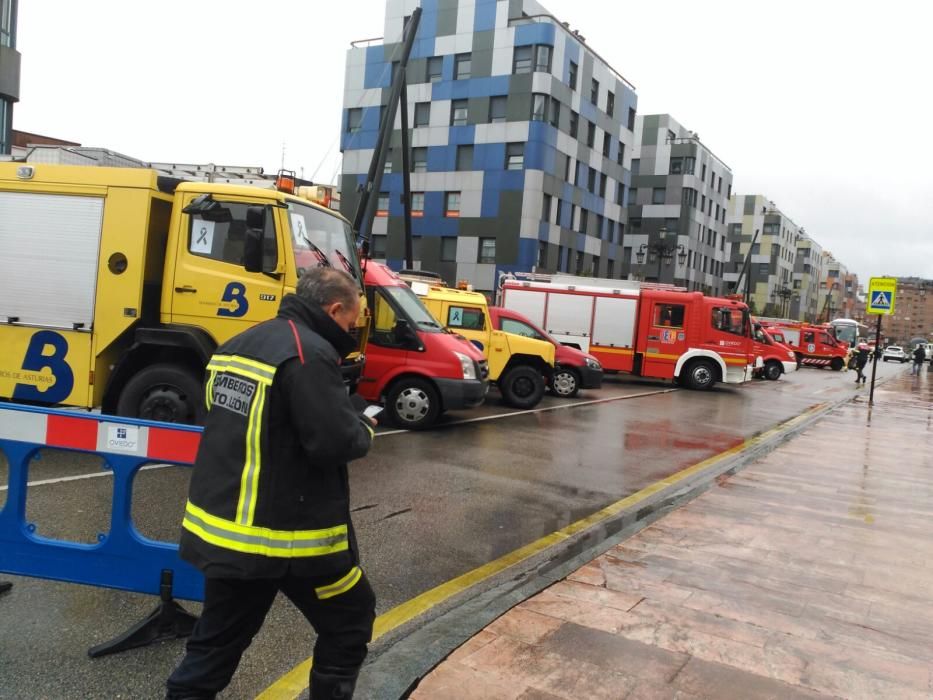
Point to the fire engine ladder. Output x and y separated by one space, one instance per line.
562 278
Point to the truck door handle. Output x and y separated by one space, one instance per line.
187 289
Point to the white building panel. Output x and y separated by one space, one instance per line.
516 132
48 270
528 303
438 136
489 133
380 225
445 45
553 234
614 323
662 211
569 314
464 42
467 249
471 203
591 245
485 276
502 61
419 92
440 114
466 271
529 227
428 182
466 11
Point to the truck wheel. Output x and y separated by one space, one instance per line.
837 364
565 383
522 387
167 393
413 403
773 370
701 375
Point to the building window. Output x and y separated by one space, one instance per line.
590 134
719 185
610 103
555 113
584 220
422 114
591 180
452 204
631 119
378 249
657 195
703 172
487 250
538 107
417 203
610 268
448 248
574 123
607 143
603 179
514 156
546 208
620 193
387 168
579 264
594 92
677 166
567 161
599 225
419 159
462 66
702 202
543 59
620 159
557 212
572 77
689 165
354 120
611 233
542 254
464 157
434 70
458 112
497 106
633 197
382 206
636 166
521 59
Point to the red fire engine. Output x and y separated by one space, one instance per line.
814 346
648 330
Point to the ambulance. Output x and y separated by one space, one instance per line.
643 329
117 284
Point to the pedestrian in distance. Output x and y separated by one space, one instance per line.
919 356
269 505
861 359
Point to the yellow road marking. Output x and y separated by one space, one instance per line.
295 682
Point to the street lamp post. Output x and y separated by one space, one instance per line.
664 251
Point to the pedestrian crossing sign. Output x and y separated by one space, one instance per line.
881 293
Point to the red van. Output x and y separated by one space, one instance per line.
413 365
573 368
778 359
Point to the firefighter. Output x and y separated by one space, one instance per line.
268 507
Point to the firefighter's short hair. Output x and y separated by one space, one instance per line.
324 286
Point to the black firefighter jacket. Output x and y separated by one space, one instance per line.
269 493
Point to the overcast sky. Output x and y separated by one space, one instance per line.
823 106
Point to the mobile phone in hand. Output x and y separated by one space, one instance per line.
372 411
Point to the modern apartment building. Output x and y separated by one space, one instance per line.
9 72
677 207
521 142
808 280
835 292
773 252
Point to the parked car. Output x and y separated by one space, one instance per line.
895 352
573 368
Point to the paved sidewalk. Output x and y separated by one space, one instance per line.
807 575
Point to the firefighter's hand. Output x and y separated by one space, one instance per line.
373 421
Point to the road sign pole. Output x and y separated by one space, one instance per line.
874 364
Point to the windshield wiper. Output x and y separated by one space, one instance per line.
318 253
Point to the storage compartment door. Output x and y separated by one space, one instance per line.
614 332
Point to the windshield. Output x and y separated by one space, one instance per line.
846 333
319 238
412 307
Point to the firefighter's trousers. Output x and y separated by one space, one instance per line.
234 610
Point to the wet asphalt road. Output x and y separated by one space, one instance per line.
428 507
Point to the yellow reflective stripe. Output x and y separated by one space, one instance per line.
341 586
249 481
372 433
242 366
209 390
261 540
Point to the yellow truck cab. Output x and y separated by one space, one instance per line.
117 284
520 366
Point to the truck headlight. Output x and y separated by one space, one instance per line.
593 364
466 364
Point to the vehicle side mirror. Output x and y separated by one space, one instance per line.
252 250
258 242
403 332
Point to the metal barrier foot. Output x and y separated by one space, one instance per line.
5 586
168 621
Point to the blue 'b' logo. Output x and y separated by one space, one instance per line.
37 359
235 292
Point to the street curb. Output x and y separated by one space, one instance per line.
401 658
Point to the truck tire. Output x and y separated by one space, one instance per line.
837 364
773 370
700 375
413 403
565 383
163 392
522 387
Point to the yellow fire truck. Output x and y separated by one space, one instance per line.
116 284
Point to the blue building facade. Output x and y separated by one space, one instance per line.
521 142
